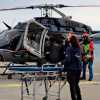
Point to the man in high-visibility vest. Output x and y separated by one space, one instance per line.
87 56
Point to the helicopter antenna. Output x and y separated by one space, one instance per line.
9 27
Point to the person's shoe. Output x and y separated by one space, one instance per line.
82 78
90 79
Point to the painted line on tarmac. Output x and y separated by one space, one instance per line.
17 85
89 82
9 85
96 73
85 82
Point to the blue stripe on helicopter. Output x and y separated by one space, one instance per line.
36 69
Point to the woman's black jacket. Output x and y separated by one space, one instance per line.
72 59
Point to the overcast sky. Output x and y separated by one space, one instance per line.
89 16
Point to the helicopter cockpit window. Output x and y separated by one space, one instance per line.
79 30
34 38
62 22
34 35
20 26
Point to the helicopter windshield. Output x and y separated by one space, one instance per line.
34 38
34 35
20 26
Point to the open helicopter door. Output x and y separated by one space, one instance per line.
34 38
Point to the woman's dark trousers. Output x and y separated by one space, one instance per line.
73 78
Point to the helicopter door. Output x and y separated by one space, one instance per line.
34 38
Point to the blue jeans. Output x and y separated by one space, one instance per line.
90 67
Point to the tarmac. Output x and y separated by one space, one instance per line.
10 89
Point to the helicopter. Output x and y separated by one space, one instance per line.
41 38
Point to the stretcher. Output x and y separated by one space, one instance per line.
32 72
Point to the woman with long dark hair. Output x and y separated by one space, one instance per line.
72 65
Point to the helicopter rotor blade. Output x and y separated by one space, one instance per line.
14 8
60 6
29 7
48 6
18 8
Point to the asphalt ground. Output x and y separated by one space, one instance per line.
10 89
